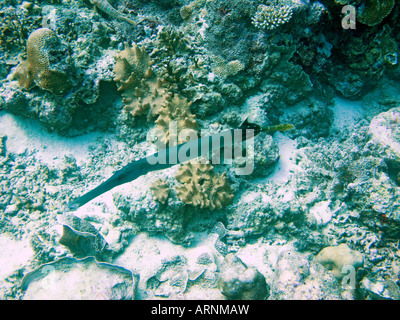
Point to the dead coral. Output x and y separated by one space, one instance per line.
40 68
201 187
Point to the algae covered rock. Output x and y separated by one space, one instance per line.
298 278
239 282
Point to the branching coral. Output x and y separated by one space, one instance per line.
42 65
15 27
272 16
202 187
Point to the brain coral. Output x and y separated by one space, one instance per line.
202 187
43 65
142 92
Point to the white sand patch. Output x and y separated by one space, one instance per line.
29 134
287 156
346 114
13 255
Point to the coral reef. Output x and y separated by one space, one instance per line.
202 188
196 231
335 258
45 64
271 17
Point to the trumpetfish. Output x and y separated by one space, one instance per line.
169 157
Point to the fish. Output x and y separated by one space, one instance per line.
165 158
104 6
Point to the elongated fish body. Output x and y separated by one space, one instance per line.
104 6
165 158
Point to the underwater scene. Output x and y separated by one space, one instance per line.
199 150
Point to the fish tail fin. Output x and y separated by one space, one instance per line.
279 127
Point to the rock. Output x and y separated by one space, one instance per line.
83 240
380 289
239 282
337 257
86 279
297 278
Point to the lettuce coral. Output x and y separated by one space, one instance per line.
142 92
160 190
201 187
177 112
42 66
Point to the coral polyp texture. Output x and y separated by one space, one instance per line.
176 122
142 92
42 66
203 188
145 94
271 17
160 190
